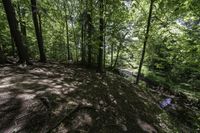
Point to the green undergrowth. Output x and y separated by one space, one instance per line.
191 91
186 116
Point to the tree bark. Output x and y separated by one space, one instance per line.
104 48
67 12
89 39
22 23
15 33
117 57
75 42
13 46
111 64
38 30
82 33
145 41
104 38
101 29
74 35
67 34
119 49
82 44
89 30
2 56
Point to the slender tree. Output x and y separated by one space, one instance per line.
2 56
121 39
104 36
89 30
72 11
82 44
67 29
15 33
38 30
145 41
118 53
13 47
22 24
101 39
82 14
75 42
111 55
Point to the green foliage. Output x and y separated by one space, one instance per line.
173 48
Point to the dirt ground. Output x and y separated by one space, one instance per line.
35 98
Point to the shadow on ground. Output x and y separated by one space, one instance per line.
34 99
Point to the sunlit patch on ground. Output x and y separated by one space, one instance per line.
109 103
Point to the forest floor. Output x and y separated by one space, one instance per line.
36 99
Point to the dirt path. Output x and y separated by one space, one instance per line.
34 99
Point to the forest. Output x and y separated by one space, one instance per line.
99 66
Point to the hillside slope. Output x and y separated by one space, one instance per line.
36 98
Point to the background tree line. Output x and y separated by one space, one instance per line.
162 36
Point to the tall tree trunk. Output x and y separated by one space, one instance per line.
89 39
104 38
112 49
74 35
75 42
117 57
82 33
38 30
21 13
2 56
15 33
119 49
66 7
23 25
82 45
104 49
145 41
101 29
67 34
13 47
